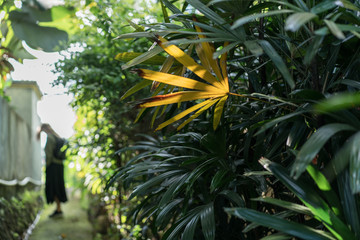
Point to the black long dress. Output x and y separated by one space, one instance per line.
54 181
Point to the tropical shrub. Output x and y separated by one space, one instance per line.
293 69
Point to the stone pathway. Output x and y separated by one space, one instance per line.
74 224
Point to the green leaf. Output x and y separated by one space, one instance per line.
208 222
176 228
349 202
175 10
45 38
146 58
234 197
307 94
278 62
178 184
254 47
347 82
302 5
208 13
347 4
277 236
253 17
155 181
164 12
334 29
349 154
165 213
279 224
218 179
306 193
137 35
129 56
323 7
283 215
296 20
284 204
313 146
323 184
311 199
319 178
190 228
354 158
226 49
136 88
16 47
272 123
313 49
338 102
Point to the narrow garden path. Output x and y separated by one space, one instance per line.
74 224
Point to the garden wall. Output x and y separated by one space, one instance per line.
20 151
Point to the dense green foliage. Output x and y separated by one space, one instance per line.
296 66
18 213
95 79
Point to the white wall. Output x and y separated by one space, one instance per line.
20 151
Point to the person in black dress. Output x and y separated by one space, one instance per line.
54 174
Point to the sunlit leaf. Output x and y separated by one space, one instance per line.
347 4
183 114
311 199
195 115
166 66
223 60
338 102
334 29
324 185
296 20
284 204
175 98
188 62
132 59
218 111
177 81
208 53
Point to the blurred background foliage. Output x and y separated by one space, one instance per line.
42 26
284 161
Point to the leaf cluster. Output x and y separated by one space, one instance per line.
296 63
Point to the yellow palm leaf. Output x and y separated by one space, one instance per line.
176 98
218 111
154 117
195 115
223 60
190 63
167 64
216 92
183 114
178 81
208 52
